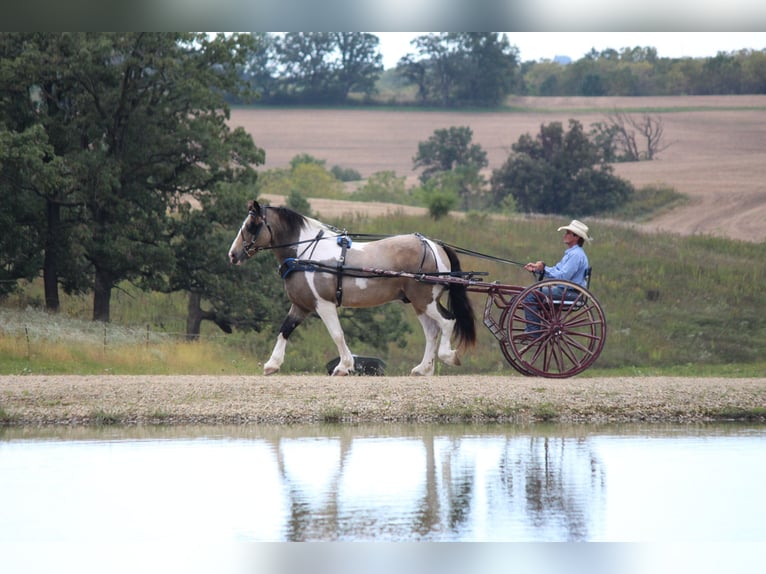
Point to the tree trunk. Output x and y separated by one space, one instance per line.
102 295
194 316
52 253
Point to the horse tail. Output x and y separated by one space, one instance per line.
460 305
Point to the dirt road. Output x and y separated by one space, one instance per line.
113 399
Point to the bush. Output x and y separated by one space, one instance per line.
345 174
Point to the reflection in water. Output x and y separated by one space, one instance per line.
439 487
398 483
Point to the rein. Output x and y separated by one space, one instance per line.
344 240
457 249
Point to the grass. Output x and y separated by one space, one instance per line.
680 306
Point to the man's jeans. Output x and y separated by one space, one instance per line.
532 302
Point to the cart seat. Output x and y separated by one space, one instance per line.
581 301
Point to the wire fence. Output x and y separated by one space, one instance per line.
34 326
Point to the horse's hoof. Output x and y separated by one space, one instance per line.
270 370
452 359
337 373
418 372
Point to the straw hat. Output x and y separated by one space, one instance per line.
578 228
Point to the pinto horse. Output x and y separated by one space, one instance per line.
323 269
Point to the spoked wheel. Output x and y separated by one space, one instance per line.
505 344
555 329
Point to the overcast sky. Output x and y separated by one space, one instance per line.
547 45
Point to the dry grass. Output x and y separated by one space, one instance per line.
716 155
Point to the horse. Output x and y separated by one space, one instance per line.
323 268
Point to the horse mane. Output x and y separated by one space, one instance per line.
292 219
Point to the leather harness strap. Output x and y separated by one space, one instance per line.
345 242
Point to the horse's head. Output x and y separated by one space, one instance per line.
255 234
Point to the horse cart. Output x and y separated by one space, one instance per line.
552 328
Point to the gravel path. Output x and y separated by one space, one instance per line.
75 400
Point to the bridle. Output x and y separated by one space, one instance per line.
249 247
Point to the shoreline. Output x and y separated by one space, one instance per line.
70 400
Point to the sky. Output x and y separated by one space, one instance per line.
547 45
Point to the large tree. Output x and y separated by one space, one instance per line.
326 66
461 68
559 171
140 122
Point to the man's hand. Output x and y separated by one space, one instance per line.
536 267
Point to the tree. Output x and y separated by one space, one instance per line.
36 184
22 169
327 66
261 71
304 58
439 199
139 121
465 68
246 297
447 149
621 137
558 172
360 62
489 70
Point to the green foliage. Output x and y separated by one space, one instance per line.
448 149
134 121
461 68
220 292
315 67
559 172
385 186
439 200
345 174
313 180
307 177
306 159
376 327
640 71
297 202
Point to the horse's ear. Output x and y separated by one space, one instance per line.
254 206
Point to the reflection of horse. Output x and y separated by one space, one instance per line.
322 269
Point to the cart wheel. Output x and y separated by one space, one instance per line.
505 344
555 329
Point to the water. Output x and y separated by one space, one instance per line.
228 486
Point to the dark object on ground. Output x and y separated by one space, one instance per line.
362 366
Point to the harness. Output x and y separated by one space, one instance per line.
345 242
340 269
250 249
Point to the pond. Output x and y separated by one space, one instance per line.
396 483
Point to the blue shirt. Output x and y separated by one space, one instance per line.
571 267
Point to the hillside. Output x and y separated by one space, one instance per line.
715 157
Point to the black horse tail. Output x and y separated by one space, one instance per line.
460 306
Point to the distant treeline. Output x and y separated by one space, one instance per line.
461 69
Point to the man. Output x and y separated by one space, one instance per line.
572 267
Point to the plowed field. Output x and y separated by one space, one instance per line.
716 154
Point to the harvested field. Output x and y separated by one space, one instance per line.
715 156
